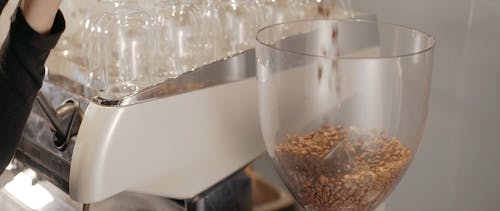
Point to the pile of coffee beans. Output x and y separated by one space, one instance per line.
341 168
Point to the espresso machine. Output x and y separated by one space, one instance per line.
186 139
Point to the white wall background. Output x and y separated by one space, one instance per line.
458 165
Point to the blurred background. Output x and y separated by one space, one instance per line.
457 166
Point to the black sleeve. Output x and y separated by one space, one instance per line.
22 59
2 4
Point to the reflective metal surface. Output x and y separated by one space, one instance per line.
232 193
235 68
37 147
47 197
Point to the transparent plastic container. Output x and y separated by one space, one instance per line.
343 104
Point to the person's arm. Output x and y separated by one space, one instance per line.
35 29
40 14
2 4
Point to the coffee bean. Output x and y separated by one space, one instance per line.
368 167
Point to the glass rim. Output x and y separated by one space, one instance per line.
432 41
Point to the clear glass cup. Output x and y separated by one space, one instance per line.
212 40
179 37
89 47
126 41
69 45
240 21
342 106
275 11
